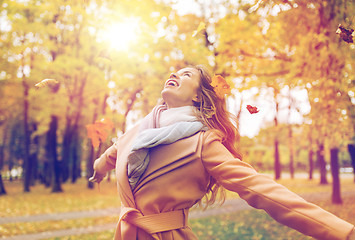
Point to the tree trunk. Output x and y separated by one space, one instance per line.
2 187
129 103
34 156
2 155
52 147
310 161
322 164
47 172
66 148
277 163
91 159
75 130
27 166
90 166
291 149
12 147
277 160
334 164
75 167
351 149
74 142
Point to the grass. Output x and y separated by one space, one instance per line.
75 197
11 229
248 224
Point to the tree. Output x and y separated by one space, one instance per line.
24 42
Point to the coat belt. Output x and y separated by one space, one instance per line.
154 223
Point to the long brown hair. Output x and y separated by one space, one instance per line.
213 113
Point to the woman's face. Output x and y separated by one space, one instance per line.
181 88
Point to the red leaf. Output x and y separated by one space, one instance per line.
252 109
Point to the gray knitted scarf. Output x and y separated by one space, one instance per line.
181 124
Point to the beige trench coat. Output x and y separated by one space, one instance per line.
177 178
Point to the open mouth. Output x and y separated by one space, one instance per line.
172 82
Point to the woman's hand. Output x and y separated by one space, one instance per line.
97 177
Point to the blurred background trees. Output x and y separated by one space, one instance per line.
111 59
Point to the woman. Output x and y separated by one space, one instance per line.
183 151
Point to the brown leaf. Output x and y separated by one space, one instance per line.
345 34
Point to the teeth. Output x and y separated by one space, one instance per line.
172 83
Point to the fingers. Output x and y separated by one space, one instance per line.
96 178
92 179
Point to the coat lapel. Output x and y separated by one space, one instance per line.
123 149
165 158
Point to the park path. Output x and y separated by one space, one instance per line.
230 206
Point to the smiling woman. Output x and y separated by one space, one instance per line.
185 151
120 35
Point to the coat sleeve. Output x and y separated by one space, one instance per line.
107 161
262 192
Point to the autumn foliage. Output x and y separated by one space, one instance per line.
66 60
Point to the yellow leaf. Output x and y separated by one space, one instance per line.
200 27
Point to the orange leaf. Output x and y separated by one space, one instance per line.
220 85
93 135
99 131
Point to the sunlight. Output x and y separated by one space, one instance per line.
121 34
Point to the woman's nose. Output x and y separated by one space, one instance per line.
173 76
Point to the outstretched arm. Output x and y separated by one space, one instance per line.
262 192
105 163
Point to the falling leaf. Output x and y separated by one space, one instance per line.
252 109
46 82
345 34
99 131
200 27
220 86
